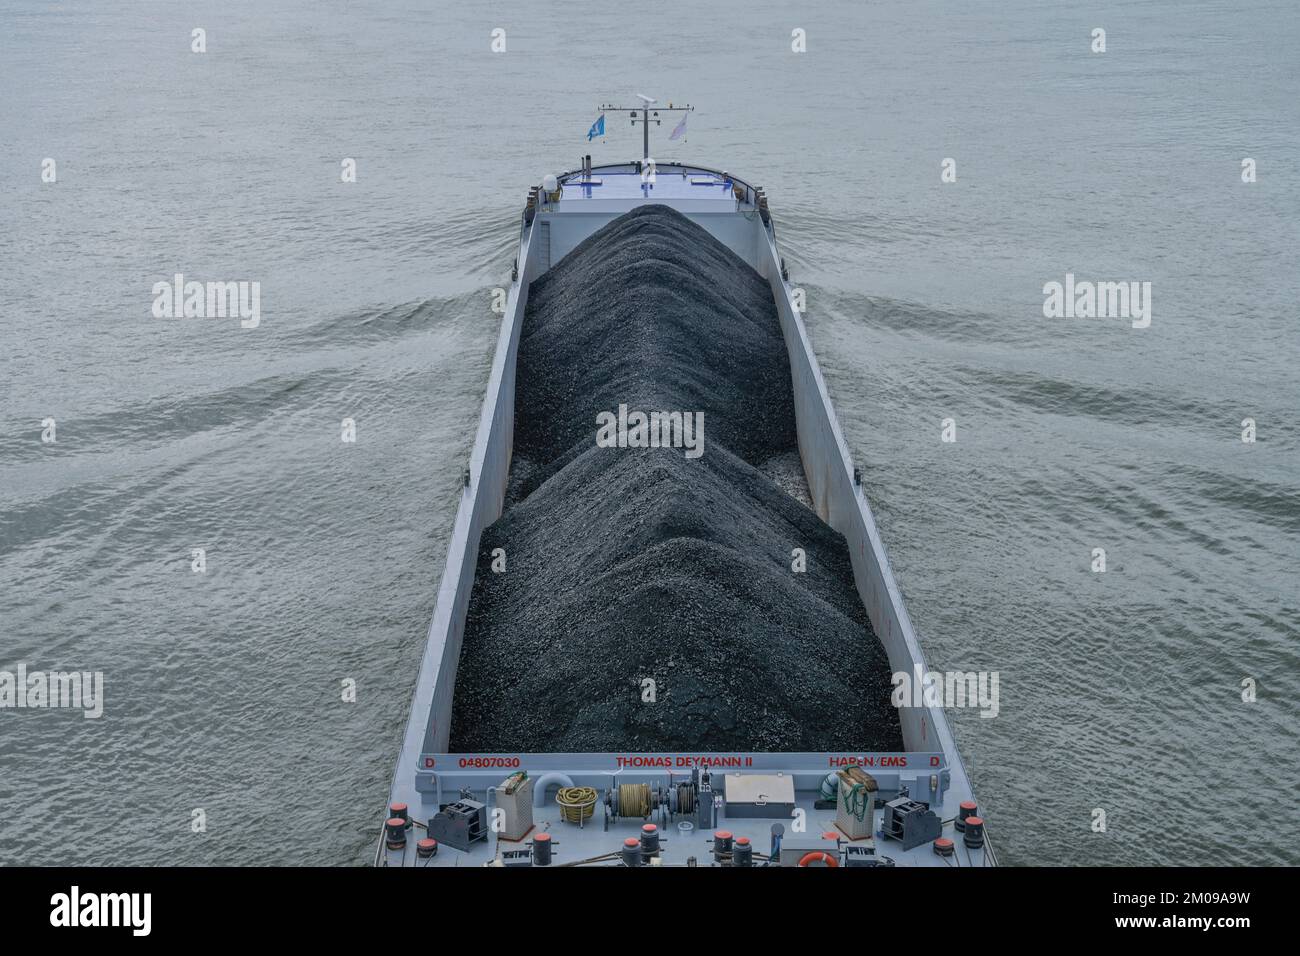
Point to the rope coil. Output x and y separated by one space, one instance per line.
634 800
576 803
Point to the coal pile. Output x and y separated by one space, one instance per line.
628 564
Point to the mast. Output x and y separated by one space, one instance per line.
645 119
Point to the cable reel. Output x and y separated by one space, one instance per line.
630 800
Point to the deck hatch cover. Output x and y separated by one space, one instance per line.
758 794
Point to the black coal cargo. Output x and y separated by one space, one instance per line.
648 601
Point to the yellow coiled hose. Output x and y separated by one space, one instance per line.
576 803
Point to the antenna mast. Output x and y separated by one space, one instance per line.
645 119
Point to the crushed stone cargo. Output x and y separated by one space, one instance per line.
626 565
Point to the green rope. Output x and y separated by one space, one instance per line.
857 800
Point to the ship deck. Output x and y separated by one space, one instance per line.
672 184
593 845
687 839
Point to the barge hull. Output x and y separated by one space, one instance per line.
426 776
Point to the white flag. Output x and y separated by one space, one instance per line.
680 130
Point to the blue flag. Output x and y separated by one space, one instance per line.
597 128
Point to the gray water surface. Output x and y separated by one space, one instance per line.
1119 691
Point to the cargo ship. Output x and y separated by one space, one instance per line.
912 806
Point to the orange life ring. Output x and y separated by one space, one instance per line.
816 856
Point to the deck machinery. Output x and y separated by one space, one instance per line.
914 808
